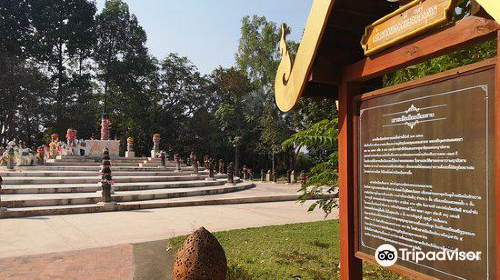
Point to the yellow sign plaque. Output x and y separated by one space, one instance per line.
408 21
492 7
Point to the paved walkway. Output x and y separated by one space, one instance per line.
108 263
48 234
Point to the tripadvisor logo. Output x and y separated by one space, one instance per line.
386 255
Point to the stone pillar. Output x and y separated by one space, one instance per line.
262 175
156 145
1 207
303 177
106 178
194 161
211 170
268 176
105 127
177 160
130 148
40 155
72 148
54 146
230 173
221 166
206 162
292 177
195 167
245 172
163 161
10 158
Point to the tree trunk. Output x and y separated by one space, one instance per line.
59 97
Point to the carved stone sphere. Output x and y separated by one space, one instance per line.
201 257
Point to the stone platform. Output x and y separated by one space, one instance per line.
69 185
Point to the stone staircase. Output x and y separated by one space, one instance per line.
69 185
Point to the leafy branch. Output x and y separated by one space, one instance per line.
323 177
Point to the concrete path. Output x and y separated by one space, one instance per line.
108 263
47 234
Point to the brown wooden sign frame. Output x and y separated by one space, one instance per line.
465 33
489 64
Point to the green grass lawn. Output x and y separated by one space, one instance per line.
298 251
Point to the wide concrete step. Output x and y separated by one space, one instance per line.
16 201
184 182
76 158
93 179
97 163
91 168
250 195
48 173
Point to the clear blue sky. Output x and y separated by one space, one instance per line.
207 31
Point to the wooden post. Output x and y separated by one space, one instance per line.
497 151
351 268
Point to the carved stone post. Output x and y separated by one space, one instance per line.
163 159
130 148
1 207
10 154
221 166
177 160
230 173
72 148
245 172
194 162
303 177
106 179
195 167
105 127
40 155
292 177
206 162
268 176
211 172
156 145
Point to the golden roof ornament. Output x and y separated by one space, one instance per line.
285 67
292 76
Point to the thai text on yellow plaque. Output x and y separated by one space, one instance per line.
408 21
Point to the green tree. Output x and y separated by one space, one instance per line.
64 30
323 176
24 103
258 54
16 31
119 36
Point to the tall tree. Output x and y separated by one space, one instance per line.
258 54
64 30
16 31
119 35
